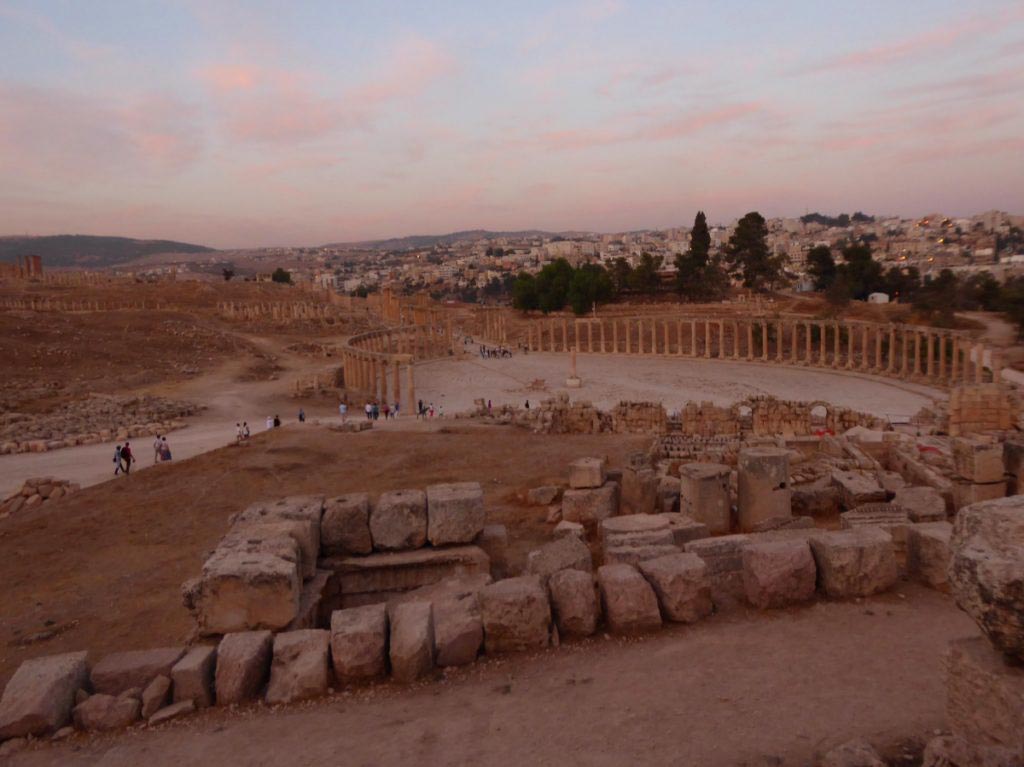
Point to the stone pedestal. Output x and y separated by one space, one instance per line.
704 495
763 486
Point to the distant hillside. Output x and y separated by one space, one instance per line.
430 240
842 220
89 252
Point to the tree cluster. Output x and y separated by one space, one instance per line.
559 283
698 276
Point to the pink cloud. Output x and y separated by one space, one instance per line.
226 78
412 65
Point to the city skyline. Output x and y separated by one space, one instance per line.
263 125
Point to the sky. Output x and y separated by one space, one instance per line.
260 123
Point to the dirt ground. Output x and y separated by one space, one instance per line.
736 689
102 569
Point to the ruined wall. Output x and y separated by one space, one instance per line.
984 407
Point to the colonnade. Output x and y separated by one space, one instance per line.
932 355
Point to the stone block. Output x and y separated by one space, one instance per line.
589 507
359 638
1013 461
345 528
240 591
889 517
458 630
668 495
854 563
966 492
891 481
815 500
399 520
984 696
586 473
122 671
379 577
923 504
39 697
681 585
193 676
493 539
635 554
685 529
543 496
986 570
639 490
299 668
629 602
455 512
854 753
978 460
566 529
103 712
637 529
704 495
411 640
516 615
763 485
243 666
156 695
317 599
564 553
928 553
574 603
173 711
857 488
778 573
297 516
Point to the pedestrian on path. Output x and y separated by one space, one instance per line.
270 423
302 415
165 450
156 449
118 465
343 411
245 429
239 434
127 458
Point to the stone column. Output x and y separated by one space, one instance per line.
707 338
851 332
808 354
565 336
615 335
604 348
764 340
693 338
837 338
763 480
979 363
679 337
627 328
917 353
864 348
750 341
779 341
664 332
878 348
396 384
942 357
996 365
721 339
930 355
735 340
954 373
410 389
905 362
590 336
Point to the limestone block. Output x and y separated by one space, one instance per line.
923 504
458 630
704 495
630 604
857 488
359 637
681 585
411 641
889 517
854 753
816 500
928 553
516 615
569 529
173 711
574 603
986 570
966 492
564 553
345 527
317 599
455 512
668 495
984 696
685 529
978 460
543 496
399 520
300 665
122 671
778 573
1013 461
586 473
637 529
155 696
243 666
39 697
639 490
854 563
265 541
193 676
298 516
589 507
635 554
106 712
239 591
493 539
891 481
763 485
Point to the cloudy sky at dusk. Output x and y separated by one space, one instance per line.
262 123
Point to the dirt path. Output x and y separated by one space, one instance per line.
737 689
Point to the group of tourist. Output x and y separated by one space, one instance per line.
374 410
492 352
242 432
124 457
429 411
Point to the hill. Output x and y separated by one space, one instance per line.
430 240
86 251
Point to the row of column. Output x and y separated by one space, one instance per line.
905 352
381 379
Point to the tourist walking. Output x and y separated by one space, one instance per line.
165 450
369 411
277 421
245 430
156 449
127 458
270 423
239 434
387 411
118 466
302 415
343 411
394 411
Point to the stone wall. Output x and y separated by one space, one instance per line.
984 407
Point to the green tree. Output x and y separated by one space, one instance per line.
901 283
747 255
980 291
862 273
698 276
1011 301
590 285
620 274
937 298
553 285
821 267
644 278
524 292
281 275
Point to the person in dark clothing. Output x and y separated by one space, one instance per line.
277 421
118 464
127 458
302 415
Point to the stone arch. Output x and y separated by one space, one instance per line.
818 414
